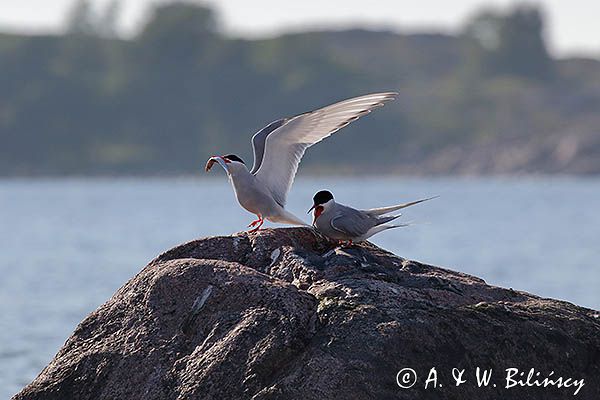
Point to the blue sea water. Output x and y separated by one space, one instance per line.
67 245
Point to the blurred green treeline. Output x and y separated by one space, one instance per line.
488 100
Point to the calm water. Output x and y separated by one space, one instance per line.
66 246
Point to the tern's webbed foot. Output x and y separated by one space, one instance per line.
255 224
344 244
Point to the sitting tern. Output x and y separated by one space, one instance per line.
347 224
278 149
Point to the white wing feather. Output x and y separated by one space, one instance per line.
285 146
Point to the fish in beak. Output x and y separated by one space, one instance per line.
216 159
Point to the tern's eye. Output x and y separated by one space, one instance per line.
233 157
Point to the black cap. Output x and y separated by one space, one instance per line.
322 197
233 157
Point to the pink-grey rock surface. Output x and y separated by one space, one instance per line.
278 315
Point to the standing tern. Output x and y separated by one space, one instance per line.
278 149
347 224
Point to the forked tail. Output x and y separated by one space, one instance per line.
382 227
386 210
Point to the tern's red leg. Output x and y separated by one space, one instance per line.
256 224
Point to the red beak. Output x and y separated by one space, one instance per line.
318 211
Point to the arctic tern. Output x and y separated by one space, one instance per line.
347 224
278 149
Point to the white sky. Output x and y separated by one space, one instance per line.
573 26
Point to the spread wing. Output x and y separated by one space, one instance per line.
283 147
352 222
258 142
